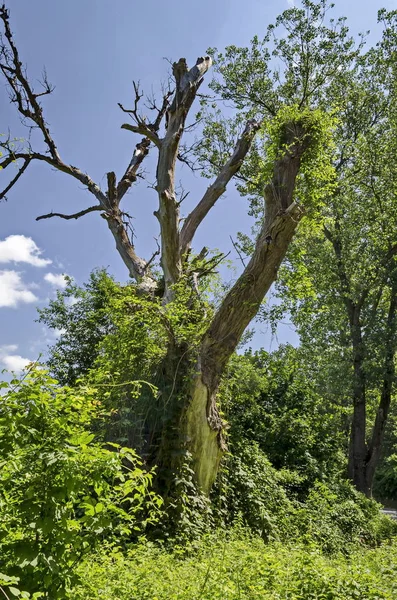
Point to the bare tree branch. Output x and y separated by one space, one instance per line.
238 251
187 83
60 166
22 93
151 134
68 217
3 193
26 100
143 129
156 253
215 191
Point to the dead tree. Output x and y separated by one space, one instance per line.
199 422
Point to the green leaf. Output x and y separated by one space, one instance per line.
82 439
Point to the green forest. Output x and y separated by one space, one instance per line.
155 453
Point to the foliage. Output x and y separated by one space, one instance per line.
146 338
270 398
339 280
61 492
294 63
333 515
128 363
286 77
241 567
80 317
385 486
251 492
337 518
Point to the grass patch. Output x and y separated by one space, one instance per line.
239 568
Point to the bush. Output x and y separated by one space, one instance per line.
338 518
272 400
61 492
249 491
385 485
333 515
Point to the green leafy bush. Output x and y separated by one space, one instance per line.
385 485
333 515
61 492
272 400
249 491
338 518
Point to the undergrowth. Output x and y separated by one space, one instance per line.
238 567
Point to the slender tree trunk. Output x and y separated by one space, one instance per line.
364 458
378 431
358 454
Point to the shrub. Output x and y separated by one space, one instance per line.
61 492
338 518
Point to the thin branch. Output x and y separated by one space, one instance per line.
60 166
3 194
346 289
143 129
211 265
26 100
22 93
215 191
156 253
68 217
141 149
237 250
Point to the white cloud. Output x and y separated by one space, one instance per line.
19 248
13 290
15 362
56 280
72 300
12 362
291 3
58 332
8 348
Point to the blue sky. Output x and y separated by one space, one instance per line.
92 50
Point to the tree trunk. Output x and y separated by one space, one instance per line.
192 425
364 458
239 307
378 431
358 454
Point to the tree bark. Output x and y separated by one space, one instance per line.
187 83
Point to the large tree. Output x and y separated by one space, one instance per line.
341 279
277 143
